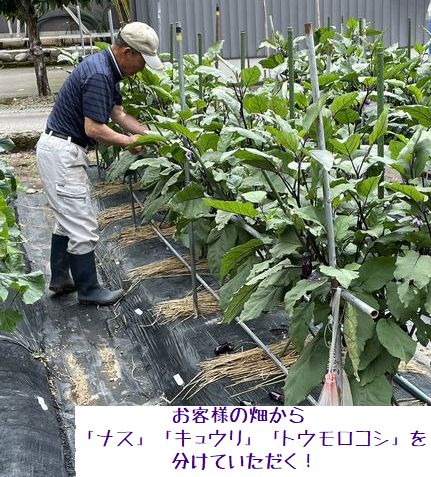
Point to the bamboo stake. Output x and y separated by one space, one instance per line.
291 63
187 169
243 49
171 42
217 28
200 56
409 39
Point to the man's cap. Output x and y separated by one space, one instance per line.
144 39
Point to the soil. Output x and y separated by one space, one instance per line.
24 164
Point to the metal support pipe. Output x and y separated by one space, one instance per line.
321 145
359 304
291 63
18 28
98 161
9 26
249 332
380 105
318 23
111 26
412 389
179 35
132 199
81 34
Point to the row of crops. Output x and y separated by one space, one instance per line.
256 201
15 282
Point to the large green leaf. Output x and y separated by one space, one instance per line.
342 223
179 129
342 102
152 162
301 289
240 208
395 340
313 112
30 285
358 328
256 103
219 243
250 76
263 299
376 393
383 363
343 275
419 113
236 304
9 320
237 254
401 311
409 191
347 147
307 372
256 158
366 186
289 140
413 267
375 273
300 320
380 128
191 191
147 139
227 291
324 158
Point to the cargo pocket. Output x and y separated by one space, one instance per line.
72 199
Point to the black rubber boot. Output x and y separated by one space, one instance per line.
83 268
61 281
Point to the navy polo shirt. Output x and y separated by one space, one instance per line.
91 90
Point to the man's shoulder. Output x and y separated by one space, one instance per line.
94 65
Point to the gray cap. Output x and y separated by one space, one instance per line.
144 39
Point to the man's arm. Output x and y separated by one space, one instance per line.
126 121
102 133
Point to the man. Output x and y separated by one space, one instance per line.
85 103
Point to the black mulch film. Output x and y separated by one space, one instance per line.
64 354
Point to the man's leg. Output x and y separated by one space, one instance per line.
62 169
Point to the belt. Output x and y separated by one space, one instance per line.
79 142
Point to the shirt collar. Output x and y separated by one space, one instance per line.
118 75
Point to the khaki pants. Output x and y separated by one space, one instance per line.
62 167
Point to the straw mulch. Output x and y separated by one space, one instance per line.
170 267
116 213
182 309
133 235
105 190
243 367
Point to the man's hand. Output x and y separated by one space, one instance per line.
132 139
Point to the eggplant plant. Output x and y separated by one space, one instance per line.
257 205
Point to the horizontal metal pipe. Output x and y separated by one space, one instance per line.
359 304
250 333
411 388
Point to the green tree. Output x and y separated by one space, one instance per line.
29 11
